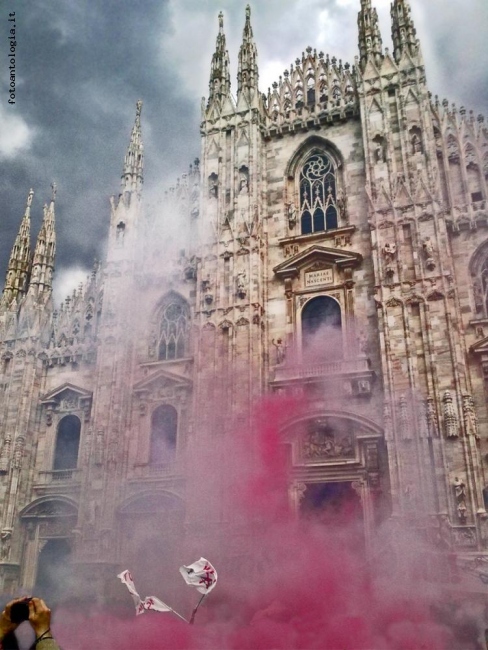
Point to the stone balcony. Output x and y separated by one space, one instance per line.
355 374
57 477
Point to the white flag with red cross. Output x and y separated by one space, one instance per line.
142 605
201 574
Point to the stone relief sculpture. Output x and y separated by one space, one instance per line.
323 442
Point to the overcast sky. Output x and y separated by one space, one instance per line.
82 65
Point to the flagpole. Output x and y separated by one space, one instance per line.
179 615
195 610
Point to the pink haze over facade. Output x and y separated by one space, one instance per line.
335 255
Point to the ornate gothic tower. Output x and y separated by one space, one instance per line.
428 405
25 315
230 291
230 285
106 440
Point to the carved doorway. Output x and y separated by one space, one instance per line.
339 474
338 507
48 527
54 571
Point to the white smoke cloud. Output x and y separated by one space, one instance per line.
67 280
15 135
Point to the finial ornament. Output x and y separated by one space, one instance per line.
248 12
30 197
221 21
138 108
53 191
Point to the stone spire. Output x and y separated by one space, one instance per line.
19 262
370 42
219 86
41 281
403 33
132 175
248 75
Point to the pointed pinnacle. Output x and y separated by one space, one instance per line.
138 112
30 197
221 22
54 190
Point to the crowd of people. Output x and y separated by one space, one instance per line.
37 613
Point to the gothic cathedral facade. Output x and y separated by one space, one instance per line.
339 253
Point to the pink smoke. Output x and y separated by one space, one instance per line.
299 584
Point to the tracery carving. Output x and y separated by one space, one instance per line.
318 199
169 336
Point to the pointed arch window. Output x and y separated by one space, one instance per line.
164 426
322 329
318 190
482 298
173 330
67 443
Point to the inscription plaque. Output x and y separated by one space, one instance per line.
317 278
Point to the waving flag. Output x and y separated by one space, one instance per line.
201 574
148 603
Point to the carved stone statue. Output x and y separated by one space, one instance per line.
389 252
291 212
380 149
213 186
241 281
342 204
460 494
429 252
243 180
416 144
5 538
280 351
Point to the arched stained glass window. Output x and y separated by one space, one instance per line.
173 330
322 330
484 284
67 443
164 425
318 208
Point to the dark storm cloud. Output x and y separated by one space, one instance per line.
82 65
